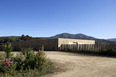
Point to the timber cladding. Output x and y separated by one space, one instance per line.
49 44
74 41
100 48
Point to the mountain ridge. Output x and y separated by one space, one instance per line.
112 39
67 35
82 36
73 36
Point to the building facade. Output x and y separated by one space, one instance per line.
50 44
74 41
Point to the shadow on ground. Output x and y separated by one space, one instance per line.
101 54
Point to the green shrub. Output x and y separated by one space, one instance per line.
40 60
29 61
28 52
20 57
26 64
8 49
7 65
34 60
2 55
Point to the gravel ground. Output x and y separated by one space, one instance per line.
75 65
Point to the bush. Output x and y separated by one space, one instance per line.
33 61
2 55
28 53
8 49
7 65
40 60
26 64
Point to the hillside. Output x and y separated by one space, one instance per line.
113 39
62 35
82 36
73 36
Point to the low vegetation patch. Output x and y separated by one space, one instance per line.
24 64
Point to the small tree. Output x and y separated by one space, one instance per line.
8 49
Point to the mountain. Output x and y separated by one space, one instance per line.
82 36
62 35
73 36
113 39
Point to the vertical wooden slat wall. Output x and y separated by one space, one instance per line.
89 47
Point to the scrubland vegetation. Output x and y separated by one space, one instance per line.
24 64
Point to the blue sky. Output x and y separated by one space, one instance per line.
43 18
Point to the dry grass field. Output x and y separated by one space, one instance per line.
75 65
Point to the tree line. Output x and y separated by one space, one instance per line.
12 39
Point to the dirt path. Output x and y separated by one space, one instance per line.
74 65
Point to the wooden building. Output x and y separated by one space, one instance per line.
50 44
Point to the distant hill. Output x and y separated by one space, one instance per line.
10 37
113 39
5 39
62 35
73 36
81 36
